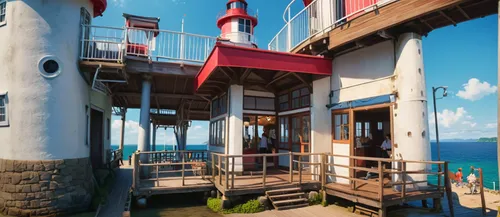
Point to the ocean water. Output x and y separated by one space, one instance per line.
459 154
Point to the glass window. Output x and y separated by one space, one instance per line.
3 111
108 126
359 129
283 100
367 129
341 129
244 25
306 122
222 132
380 126
219 106
284 138
264 103
295 129
3 11
248 102
295 99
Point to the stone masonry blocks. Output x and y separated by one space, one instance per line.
45 188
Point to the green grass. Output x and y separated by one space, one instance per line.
315 200
251 206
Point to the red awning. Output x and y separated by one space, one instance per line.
307 2
99 6
228 64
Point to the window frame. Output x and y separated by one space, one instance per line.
219 105
303 99
255 102
217 135
342 125
281 130
4 98
4 22
246 24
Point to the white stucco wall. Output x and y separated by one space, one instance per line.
369 68
46 115
340 149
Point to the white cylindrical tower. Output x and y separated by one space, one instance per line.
45 140
411 131
237 26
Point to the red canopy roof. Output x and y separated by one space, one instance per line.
264 63
99 6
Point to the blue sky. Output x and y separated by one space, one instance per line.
464 58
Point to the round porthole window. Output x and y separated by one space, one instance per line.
50 66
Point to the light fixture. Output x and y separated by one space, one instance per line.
268 118
246 121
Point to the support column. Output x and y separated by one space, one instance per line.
144 124
321 133
122 132
411 136
235 125
153 148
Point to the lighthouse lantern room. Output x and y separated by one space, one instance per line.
237 26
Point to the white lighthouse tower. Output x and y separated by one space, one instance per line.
45 105
237 26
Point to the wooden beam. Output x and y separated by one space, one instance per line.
225 73
185 85
396 13
303 81
246 73
427 24
463 12
448 18
175 83
162 95
277 78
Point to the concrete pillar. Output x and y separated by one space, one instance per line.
122 132
321 133
235 125
144 124
411 137
153 148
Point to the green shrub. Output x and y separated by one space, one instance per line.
324 203
214 204
251 206
317 199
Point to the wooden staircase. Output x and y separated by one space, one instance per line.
288 198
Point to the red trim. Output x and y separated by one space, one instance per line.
307 2
99 6
236 56
238 13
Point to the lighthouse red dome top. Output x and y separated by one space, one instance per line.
236 9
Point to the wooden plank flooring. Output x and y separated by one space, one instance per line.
118 195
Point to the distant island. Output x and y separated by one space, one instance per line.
492 139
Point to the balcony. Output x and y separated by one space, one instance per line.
110 44
318 18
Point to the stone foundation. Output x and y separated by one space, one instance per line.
45 188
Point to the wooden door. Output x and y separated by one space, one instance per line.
96 138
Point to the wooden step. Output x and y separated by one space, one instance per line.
282 191
281 196
292 206
297 200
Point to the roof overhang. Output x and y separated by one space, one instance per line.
272 71
142 22
99 7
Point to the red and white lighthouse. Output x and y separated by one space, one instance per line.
237 26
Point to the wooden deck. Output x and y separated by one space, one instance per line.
275 179
368 194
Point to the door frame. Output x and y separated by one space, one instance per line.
96 108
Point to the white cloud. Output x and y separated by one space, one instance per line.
469 123
491 125
475 90
119 3
447 117
197 127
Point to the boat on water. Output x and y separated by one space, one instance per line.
335 104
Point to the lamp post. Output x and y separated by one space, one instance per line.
445 93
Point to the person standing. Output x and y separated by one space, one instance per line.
387 147
263 144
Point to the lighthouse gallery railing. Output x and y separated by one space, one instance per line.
100 43
319 17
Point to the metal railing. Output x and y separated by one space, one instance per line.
113 44
241 37
319 17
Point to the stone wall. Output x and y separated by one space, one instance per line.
45 188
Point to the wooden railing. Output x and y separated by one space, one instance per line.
223 167
114 157
382 171
174 164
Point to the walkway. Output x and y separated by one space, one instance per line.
118 196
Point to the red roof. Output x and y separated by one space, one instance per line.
99 6
224 55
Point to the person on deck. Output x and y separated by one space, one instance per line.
386 147
263 144
459 177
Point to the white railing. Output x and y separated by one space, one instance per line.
112 44
101 43
319 17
